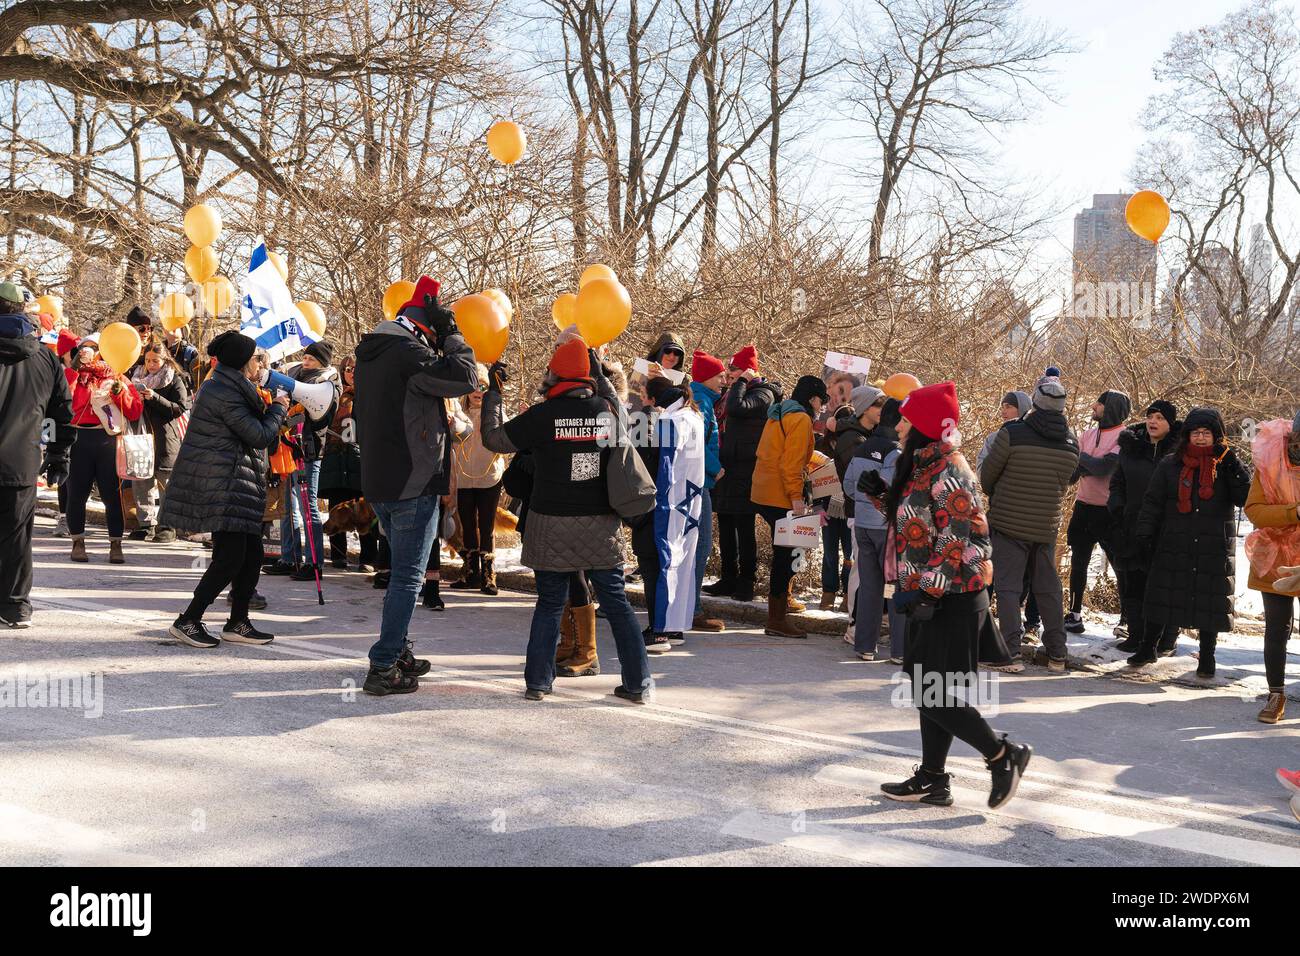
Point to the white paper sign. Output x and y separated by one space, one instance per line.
853 364
642 366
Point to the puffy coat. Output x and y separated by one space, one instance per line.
33 390
783 454
476 466
705 399
1026 474
219 480
162 410
1193 566
1138 458
1265 515
878 453
745 406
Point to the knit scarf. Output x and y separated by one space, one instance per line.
153 380
89 376
1197 458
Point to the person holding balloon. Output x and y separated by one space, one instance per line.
102 398
161 386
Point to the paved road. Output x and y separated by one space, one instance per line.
756 751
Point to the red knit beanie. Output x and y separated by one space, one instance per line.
932 409
425 286
746 358
571 365
704 366
67 342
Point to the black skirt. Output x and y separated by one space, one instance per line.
948 643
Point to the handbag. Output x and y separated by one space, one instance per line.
135 451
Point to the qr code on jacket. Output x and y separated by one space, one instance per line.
585 466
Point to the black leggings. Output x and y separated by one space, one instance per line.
237 561
1278 609
782 572
1089 526
647 558
94 462
477 508
737 546
939 725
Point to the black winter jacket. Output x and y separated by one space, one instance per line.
33 389
162 411
746 405
1138 458
400 413
313 429
1193 566
219 480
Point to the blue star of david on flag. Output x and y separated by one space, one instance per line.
693 491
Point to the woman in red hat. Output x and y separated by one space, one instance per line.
941 543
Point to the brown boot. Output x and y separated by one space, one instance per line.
827 602
585 661
79 549
489 574
115 555
1275 709
702 623
792 604
568 638
777 625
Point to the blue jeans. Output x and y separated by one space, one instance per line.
704 544
291 551
552 592
835 539
871 595
410 527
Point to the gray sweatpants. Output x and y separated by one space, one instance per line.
1010 558
870 567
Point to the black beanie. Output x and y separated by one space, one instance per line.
1167 410
232 348
663 392
321 351
891 414
809 387
1205 418
138 317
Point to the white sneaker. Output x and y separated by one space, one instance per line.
61 527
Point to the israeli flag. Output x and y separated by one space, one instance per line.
678 486
268 315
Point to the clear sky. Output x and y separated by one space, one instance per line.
1086 142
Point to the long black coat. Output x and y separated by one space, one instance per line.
219 480
1138 458
1193 567
746 405
163 410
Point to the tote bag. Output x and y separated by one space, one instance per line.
135 449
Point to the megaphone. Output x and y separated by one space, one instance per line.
315 399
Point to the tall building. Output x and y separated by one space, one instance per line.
1114 268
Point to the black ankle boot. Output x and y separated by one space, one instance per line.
429 596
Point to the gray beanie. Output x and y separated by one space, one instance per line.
1049 394
1020 400
863 397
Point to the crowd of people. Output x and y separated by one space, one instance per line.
944 568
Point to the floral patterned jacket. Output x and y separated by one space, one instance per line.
941 534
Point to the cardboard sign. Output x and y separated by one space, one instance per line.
853 364
642 366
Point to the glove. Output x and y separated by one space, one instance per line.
1290 580
870 483
441 321
498 375
55 471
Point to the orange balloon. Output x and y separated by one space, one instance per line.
396 296
900 385
484 326
218 295
314 315
564 311
604 309
502 300
201 263
279 264
597 271
1147 214
506 142
202 225
175 311
51 305
119 344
